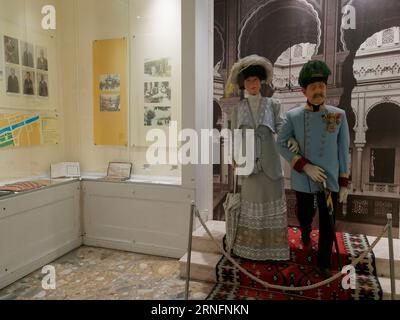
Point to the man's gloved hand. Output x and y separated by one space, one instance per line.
293 145
317 174
343 193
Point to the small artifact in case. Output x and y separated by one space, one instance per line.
65 170
118 171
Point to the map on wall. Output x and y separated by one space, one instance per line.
22 130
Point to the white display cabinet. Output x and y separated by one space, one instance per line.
38 227
137 217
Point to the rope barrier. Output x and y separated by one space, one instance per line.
286 288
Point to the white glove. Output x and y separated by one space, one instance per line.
293 145
343 193
317 174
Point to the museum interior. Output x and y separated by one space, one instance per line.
103 198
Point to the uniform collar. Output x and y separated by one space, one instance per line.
308 107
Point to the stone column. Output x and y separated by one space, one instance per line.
360 142
396 35
379 40
359 181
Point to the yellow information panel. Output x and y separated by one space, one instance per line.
50 130
22 130
110 87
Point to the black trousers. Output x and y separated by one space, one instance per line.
305 215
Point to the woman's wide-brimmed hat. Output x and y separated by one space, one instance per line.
234 80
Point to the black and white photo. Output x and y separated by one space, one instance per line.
157 116
11 50
28 77
13 79
43 84
160 68
110 103
110 82
42 60
157 92
27 54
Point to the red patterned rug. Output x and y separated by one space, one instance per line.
301 270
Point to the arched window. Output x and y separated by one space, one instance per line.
388 36
298 51
371 42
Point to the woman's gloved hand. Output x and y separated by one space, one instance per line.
293 145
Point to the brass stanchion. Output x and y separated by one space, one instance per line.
391 257
189 251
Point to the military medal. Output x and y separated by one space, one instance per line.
332 120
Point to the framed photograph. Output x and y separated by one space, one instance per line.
11 50
41 62
157 92
110 103
13 80
157 116
43 84
110 82
29 79
160 68
27 54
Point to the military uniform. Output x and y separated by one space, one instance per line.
323 139
323 136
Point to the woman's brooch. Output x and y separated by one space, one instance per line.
332 120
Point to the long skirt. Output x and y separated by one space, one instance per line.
262 228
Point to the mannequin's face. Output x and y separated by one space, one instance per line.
252 85
316 92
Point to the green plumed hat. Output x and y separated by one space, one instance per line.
314 71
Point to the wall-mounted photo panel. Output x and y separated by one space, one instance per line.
157 92
13 79
160 68
27 54
11 50
110 109
110 103
42 60
110 82
43 85
157 116
28 80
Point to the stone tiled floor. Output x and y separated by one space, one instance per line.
103 274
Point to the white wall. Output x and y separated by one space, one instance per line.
151 36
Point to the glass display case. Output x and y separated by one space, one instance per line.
90 90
